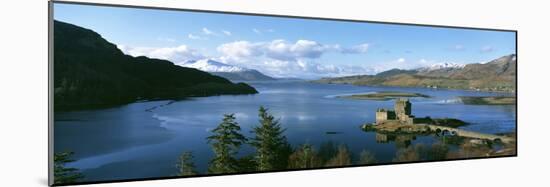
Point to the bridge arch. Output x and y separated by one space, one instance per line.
437 130
454 133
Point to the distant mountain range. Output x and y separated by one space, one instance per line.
91 72
496 75
227 71
439 66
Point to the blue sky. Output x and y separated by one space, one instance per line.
285 47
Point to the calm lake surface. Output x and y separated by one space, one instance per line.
144 139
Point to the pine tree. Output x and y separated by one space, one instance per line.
366 157
225 143
342 157
305 156
409 154
272 148
185 164
327 151
62 174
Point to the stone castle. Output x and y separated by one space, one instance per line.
401 113
401 119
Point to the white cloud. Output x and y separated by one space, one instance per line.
283 50
281 58
257 31
195 37
277 49
278 58
227 33
487 49
361 48
163 39
207 32
309 69
423 61
240 49
458 47
175 54
400 63
261 31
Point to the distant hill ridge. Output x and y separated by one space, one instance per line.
90 72
496 75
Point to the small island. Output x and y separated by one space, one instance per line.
402 121
383 96
488 100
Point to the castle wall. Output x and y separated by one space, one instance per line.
381 116
406 119
384 115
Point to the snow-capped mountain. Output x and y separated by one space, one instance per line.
210 65
445 65
227 71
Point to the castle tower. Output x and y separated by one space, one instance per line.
402 106
403 111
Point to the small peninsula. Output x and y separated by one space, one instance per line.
383 96
489 100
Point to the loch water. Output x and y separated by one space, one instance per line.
144 139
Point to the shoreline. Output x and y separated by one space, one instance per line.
420 87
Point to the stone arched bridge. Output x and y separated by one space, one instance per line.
469 134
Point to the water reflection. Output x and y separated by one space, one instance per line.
401 140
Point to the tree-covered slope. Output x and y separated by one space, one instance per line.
89 71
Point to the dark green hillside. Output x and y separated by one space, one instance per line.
90 72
